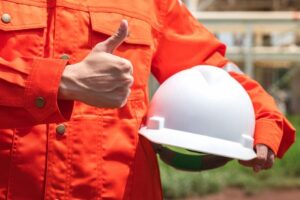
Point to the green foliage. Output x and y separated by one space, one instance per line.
284 174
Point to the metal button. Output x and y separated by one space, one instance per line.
65 57
40 102
5 18
61 129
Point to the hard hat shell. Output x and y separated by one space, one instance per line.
203 109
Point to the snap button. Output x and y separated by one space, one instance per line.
40 102
5 18
61 129
65 57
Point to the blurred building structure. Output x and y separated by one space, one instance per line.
263 38
243 5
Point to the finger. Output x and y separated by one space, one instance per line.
118 38
212 161
130 82
261 153
157 147
131 71
126 66
270 160
124 94
261 159
247 163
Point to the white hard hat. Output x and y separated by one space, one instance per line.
203 109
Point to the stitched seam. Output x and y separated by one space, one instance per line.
50 175
29 3
69 166
162 19
164 14
132 168
71 138
132 165
131 14
46 173
88 8
135 40
100 146
9 101
9 183
22 26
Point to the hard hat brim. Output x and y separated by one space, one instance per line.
199 143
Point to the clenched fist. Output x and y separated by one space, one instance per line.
101 79
264 160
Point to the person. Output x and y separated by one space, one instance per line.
74 94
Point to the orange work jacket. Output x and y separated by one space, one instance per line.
54 149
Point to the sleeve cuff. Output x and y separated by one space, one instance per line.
273 137
41 92
216 59
288 138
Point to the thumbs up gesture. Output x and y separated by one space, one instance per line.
101 79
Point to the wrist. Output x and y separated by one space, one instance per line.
65 86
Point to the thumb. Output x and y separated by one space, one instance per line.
117 39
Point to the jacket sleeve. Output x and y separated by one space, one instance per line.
271 127
29 89
184 43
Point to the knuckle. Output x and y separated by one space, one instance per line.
272 159
261 158
271 155
125 65
121 102
270 162
126 81
117 103
129 81
117 35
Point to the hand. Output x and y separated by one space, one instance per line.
213 161
189 162
101 79
264 160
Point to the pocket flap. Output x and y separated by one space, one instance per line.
22 16
108 23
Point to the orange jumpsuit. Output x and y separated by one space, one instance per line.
54 149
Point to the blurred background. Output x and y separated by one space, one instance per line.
262 38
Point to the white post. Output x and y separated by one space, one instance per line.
248 52
192 5
204 4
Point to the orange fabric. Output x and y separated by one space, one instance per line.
271 128
101 155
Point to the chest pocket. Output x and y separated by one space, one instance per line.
22 28
137 46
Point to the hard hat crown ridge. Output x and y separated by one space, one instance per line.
203 109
